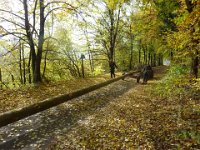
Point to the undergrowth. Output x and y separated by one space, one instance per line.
179 88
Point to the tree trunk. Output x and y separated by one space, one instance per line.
154 60
144 55
0 79
131 49
195 59
29 36
91 61
149 57
113 32
29 69
139 53
75 65
17 114
24 65
37 74
45 62
13 79
82 67
171 55
160 60
20 63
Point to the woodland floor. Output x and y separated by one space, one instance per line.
26 95
122 115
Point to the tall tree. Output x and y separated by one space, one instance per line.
32 28
193 8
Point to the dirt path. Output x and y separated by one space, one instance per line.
38 131
135 119
129 121
123 115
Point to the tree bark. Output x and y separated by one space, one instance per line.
91 60
111 49
29 36
82 68
149 58
131 49
45 61
154 60
24 65
195 59
139 52
20 63
113 32
160 60
0 79
13 79
144 55
29 68
37 74
171 55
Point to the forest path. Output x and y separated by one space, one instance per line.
41 130
132 120
38 131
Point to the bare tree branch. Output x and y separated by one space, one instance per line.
9 51
34 13
15 23
50 37
57 2
13 33
56 9
12 14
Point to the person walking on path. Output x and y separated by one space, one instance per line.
112 68
145 74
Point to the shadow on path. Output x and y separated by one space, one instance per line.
37 131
